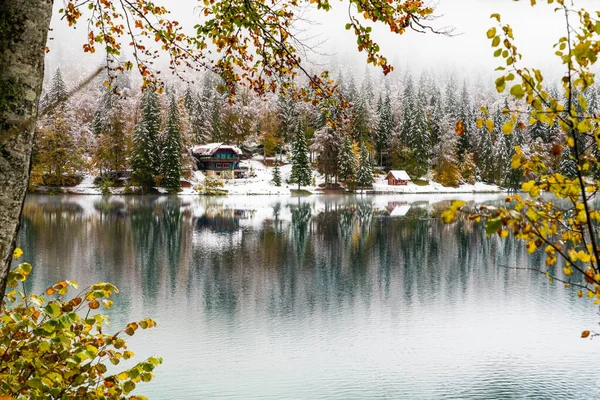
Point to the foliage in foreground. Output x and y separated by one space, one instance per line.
52 346
564 226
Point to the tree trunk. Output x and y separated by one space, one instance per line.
24 28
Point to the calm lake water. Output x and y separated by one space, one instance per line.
319 297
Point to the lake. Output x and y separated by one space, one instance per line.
364 297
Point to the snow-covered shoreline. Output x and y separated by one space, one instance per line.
261 184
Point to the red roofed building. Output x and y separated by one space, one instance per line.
396 178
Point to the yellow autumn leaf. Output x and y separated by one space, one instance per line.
489 125
508 127
17 253
527 186
568 271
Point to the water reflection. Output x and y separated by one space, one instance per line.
320 297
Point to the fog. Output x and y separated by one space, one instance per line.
465 53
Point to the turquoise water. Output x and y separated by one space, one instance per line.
319 297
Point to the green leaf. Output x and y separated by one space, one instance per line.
52 309
517 91
128 386
492 225
491 33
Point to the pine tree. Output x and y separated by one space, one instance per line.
568 165
346 161
435 120
501 151
364 175
145 159
101 123
367 87
276 174
57 94
189 99
451 106
465 114
420 138
171 152
385 127
288 116
351 93
408 110
361 123
301 172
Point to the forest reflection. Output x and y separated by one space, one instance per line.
284 253
369 297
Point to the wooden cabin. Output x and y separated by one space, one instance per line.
218 159
396 178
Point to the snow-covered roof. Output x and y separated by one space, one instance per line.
211 148
400 175
400 211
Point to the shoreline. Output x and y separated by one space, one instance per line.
60 190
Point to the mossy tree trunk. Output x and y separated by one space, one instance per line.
24 28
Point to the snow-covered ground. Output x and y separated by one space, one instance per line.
381 186
262 184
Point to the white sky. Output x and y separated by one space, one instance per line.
536 29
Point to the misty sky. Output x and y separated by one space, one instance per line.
536 29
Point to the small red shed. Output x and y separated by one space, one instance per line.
396 178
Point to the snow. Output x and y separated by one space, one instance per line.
382 186
400 175
210 148
262 184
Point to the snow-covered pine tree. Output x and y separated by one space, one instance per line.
408 110
435 120
420 138
145 157
301 172
364 175
288 116
366 87
217 105
171 150
57 94
502 150
351 92
361 122
276 174
451 104
189 99
568 166
346 161
101 122
465 114
385 127
483 152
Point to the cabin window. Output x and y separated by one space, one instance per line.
218 165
